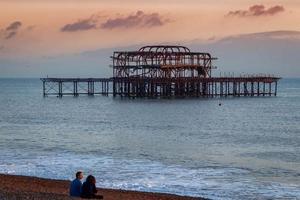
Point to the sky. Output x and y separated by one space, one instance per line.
31 30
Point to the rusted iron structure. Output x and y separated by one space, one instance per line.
161 62
163 71
76 86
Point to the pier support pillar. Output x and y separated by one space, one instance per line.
75 90
44 88
275 93
60 94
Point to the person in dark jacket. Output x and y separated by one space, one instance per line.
76 184
88 189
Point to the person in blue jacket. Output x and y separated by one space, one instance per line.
76 184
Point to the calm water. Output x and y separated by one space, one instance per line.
248 148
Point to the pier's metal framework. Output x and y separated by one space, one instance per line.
162 62
163 71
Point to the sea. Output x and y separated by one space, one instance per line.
218 148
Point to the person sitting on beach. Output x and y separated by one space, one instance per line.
75 187
88 189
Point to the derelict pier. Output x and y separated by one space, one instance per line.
163 71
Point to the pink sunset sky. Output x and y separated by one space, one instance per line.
61 26
49 28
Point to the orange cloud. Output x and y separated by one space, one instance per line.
12 30
81 25
139 19
257 10
14 26
11 34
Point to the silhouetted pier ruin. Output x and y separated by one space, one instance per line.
163 71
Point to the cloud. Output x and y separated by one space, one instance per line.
14 26
12 29
81 25
272 35
139 19
257 10
11 34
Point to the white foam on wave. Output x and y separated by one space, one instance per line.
145 175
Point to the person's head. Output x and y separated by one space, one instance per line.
93 180
90 179
79 175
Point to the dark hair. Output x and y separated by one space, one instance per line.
90 179
78 174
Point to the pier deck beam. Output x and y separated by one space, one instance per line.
165 87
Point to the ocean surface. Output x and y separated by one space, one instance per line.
247 148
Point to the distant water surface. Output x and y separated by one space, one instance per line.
247 148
